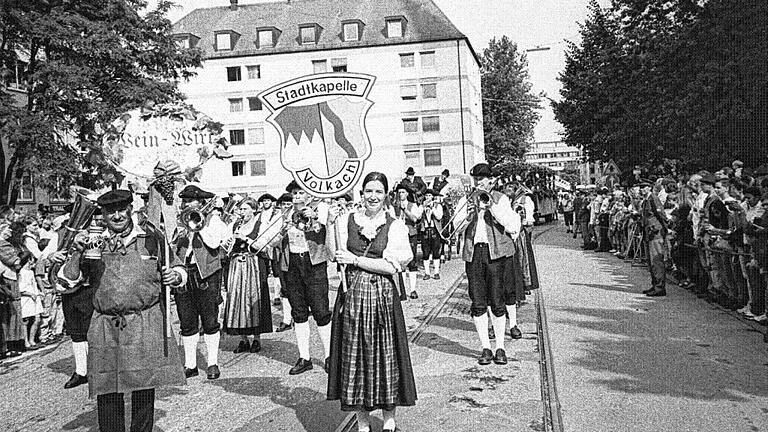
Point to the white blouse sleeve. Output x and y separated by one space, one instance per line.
342 222
398 250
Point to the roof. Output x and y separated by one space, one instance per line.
425 22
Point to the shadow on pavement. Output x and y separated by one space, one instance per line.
438 343
312 410
454 323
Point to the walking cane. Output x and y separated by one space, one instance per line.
167 294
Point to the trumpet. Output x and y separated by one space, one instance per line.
194 219
479 197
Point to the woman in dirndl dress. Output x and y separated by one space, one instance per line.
370 365
247 309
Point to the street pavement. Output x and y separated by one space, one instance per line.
627 362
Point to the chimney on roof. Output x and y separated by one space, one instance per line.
232 4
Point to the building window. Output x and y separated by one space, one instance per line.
412 158
410 125
432 157
407 60
238 168
235 105
236 137
430 124
60 193
351 32
254 72
265 39
308 35
408 92
339 64
429 91
256 136
258 167
254 104
26 189
223 41
428 59
394 28
320 66
182 43
233 73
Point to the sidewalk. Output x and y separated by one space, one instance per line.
627 362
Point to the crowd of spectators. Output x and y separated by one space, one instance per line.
30 309
716 236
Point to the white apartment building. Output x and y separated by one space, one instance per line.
552 154
427 110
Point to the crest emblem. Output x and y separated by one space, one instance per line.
321 122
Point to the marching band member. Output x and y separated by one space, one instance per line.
198 301
127 352
486 247
370 364
268 214
247 311
284 203
304 261
523 204
430 226
409 212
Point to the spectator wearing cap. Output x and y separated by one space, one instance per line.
752 209
430 226
712 216
441 181
490 231
406 209
199 246
414 183
738 168
655 223
304 261
128 351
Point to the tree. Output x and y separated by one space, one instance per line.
658 80
86 62
509 107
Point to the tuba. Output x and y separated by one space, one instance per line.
79 219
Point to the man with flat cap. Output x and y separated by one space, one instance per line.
655 223
304 258
128 352
490 229
199 246
430 226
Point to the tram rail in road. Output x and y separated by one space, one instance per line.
551 415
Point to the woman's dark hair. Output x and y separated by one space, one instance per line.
376 176
17 233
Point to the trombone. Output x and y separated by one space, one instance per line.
478 196
298 221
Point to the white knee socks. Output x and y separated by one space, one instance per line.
426 267
325 337
481 324
80 350
499 324
190 350
286 310
302 339
412 280
436 263
389 419
363 421
212 344
512 312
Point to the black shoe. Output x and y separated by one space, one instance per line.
649 290
657 293
189 373
276 302
491 333
527 292
515 333
327 365
436 277
414 295
486 357
283 327
213 372
242 347
427 277
256 346
501 357
75 381
301 367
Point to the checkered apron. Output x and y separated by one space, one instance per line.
370 375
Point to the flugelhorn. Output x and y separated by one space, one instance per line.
193 218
